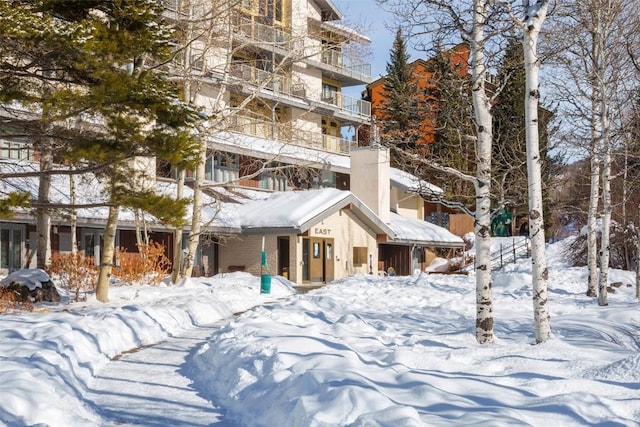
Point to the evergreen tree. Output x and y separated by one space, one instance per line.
400 112
87 69
450 106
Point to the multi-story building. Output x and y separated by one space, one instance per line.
270 75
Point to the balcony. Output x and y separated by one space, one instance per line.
278 83
284 132
335 60
350 67
244 27
281 84
348 104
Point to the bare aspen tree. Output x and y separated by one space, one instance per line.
534 15
590 38
470 22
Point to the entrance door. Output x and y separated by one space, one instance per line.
11 247
321 260
283 257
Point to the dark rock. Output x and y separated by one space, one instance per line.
46 293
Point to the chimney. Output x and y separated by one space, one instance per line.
370 179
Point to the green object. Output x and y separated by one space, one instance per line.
265 279
501 224
265 284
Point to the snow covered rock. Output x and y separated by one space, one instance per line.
31 284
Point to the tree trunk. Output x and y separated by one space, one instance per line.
74 216
482 227
592 217
536 218
43 218
606 216
176 266
196 216
108 252
602 63
637 231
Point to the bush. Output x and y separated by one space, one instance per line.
149 264
74 272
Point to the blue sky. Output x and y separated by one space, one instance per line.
372 20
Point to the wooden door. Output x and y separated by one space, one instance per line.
316 259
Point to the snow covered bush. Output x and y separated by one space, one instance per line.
76 273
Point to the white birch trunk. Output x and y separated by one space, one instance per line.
177 234
196 217
186 267
108 251
602 62
603 281
592 217
482 112
43 218
536 16
74 216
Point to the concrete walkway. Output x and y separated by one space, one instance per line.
145 387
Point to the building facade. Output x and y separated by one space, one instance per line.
270 75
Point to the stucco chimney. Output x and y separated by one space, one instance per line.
370 179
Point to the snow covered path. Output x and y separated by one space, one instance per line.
146 387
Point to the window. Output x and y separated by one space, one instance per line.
305 260
329 93
227 160
278 11
359 255
15 150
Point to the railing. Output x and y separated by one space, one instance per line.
280 83
284 132
349 64
510 253
277 37
348 103
262 33
520 248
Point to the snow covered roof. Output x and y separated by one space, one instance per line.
415 231
240 211
279 151
297 211
411 183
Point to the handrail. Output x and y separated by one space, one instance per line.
510 253
250 125
520 248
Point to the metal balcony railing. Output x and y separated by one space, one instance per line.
349 65
244 26
347 103
282 84
283 132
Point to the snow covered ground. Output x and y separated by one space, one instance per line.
363 351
